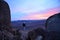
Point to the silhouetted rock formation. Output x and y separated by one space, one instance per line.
5 18
53 23
6 31
53 27
32 35
13 35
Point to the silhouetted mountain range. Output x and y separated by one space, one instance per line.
29 24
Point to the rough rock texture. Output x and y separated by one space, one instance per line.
6 31
4 14
53 27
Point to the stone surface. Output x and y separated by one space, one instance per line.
4 14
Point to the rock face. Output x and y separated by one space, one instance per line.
53 23
6 31
53 27
4 14
34 34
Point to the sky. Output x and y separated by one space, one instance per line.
33 9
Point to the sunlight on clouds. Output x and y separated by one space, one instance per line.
33 9
35 17
41 15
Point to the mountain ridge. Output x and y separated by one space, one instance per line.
29 24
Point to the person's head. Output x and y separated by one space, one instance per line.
53 23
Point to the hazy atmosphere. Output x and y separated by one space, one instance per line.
33 9
30 20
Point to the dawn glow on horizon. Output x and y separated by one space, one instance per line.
33 9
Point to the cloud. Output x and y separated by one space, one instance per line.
33 9
41 15
27 6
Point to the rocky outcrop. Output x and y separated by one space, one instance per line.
53 27
6 31
32 35
5 18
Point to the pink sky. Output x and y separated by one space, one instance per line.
42 15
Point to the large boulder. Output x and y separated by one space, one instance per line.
36 34
53 27
6 31
5 18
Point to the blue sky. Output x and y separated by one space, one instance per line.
21 8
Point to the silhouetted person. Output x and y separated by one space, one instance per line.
24 25
53 27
